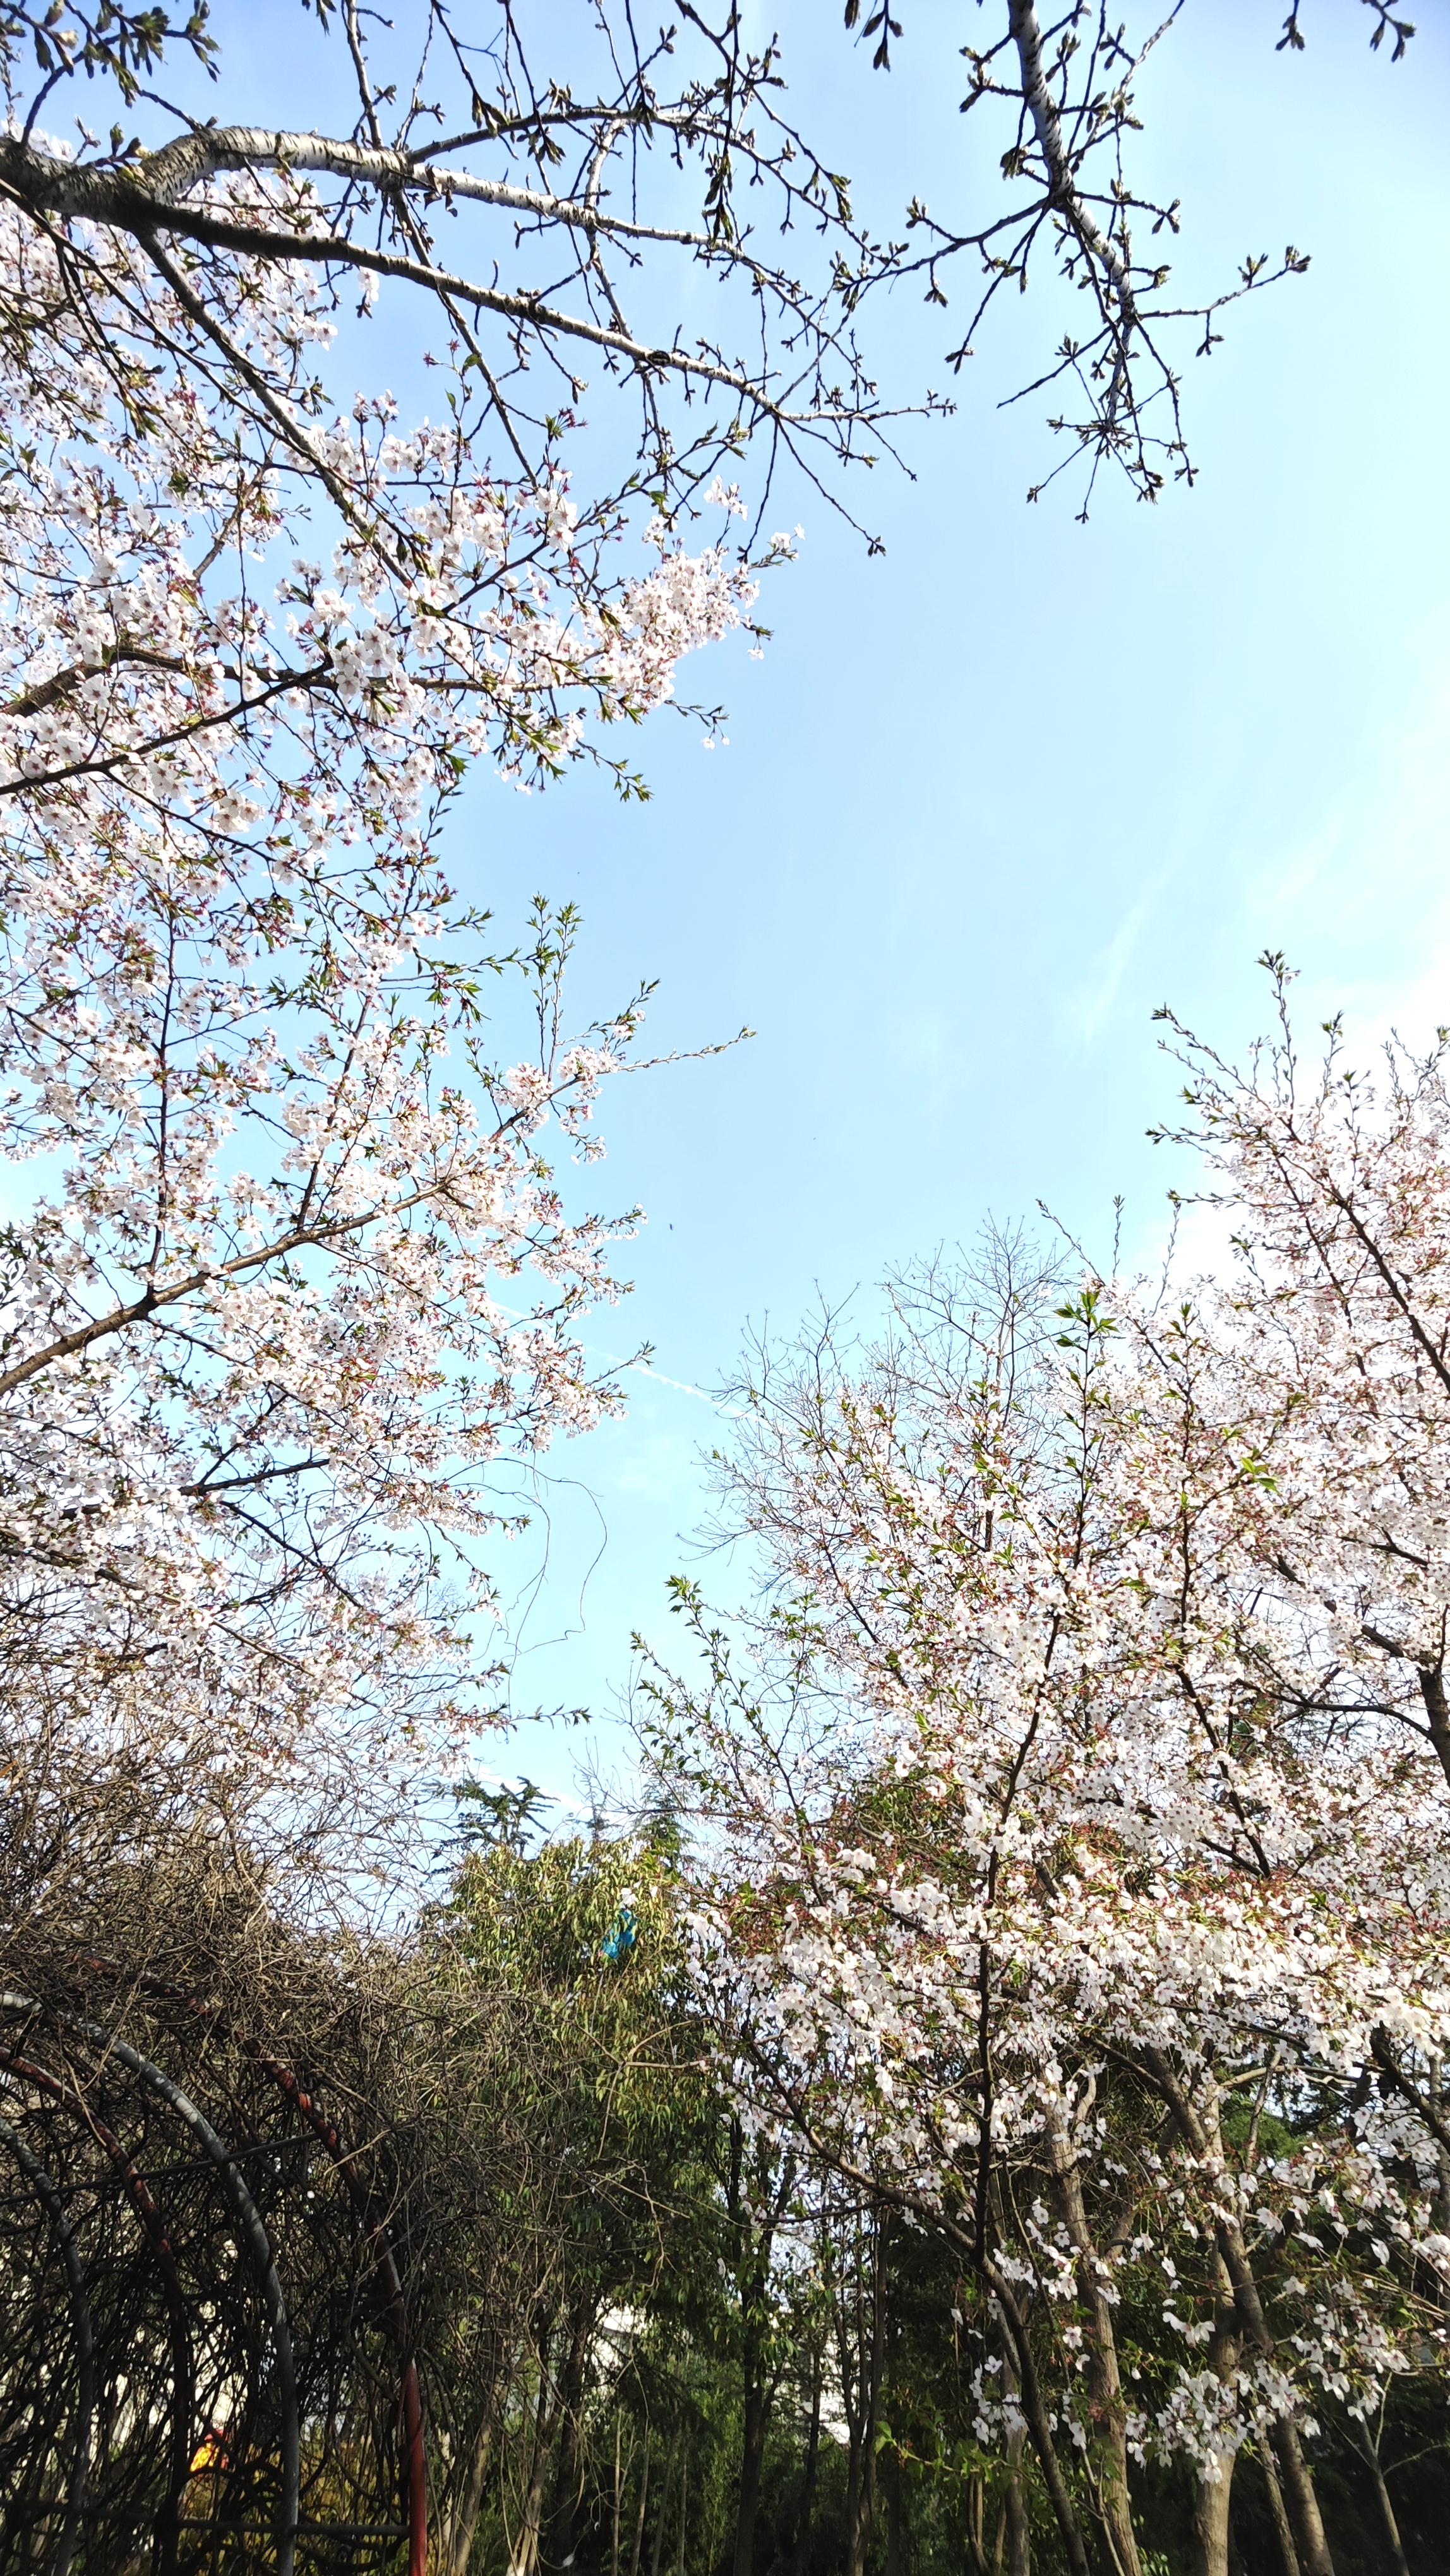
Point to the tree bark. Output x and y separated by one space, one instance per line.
1212 2505
1104 2381
1302 2503
1019 2530
1213 2501
1437 1711
1287 2551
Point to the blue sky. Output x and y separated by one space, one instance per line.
992 797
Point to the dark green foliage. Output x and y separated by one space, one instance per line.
706 2263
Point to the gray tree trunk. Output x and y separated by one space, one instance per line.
1104 2380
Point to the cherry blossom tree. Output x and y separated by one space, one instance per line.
1067 96
1080 1834
299 1268
1336 1325
167 314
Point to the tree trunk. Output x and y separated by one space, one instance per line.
860 2509
1213 2502
1287 2551
1442 2160
861 2482
756 2199
1104 2382
662 2515
895 2517
1019 2532
526 2547
643 2501
1437 1711
463 2520
808 2479
567 2478
756 2421
853 2263
976 2529
860 2497
1295 2477
1039 2424
863 2414
1014 2526
1300 2501
1370 2450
